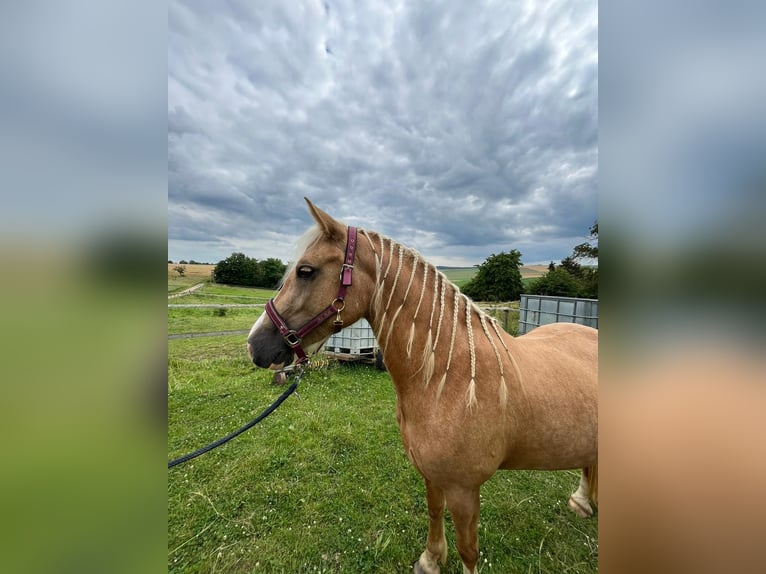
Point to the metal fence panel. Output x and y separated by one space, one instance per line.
536 310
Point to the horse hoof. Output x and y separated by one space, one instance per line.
580 508
418 569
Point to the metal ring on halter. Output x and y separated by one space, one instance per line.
342 305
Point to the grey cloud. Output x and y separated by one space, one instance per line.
413 111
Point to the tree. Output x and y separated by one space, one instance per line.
237 269
570 278
571 266
272 271
587 250
497 279
555 282
588 277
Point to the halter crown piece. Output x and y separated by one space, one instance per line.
294 337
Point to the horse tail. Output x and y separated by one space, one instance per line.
591 473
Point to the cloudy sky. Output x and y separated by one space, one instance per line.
459 128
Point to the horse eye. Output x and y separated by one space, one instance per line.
305 272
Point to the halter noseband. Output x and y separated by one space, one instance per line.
294 337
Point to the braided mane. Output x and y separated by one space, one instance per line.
390 255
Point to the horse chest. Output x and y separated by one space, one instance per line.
440 448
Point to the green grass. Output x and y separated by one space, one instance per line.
206 320
176 284
211 294
235 290
323 485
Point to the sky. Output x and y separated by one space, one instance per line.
460 129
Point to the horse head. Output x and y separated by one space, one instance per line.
318 295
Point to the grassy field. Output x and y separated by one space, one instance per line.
323 485
206 320
211 294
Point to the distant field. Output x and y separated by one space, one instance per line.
198 271
533 270
461 275
193 274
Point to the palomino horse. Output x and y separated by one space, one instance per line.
470 398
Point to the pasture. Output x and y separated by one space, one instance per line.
323 485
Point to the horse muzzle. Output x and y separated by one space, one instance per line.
267 348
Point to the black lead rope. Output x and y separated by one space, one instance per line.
290 390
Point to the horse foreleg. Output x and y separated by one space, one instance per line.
436 546
579 502
463 504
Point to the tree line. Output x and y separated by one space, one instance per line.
239 269
499 278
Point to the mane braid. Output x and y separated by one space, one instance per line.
433 303
379 279
503 389
396 277
456 306
471 395
393 285
417 309
367 237
441 311
390 257
428 352
413 272
508 351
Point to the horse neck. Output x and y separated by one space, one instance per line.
418 316
400 299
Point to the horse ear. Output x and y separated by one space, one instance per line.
330 227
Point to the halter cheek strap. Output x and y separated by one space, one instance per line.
293 337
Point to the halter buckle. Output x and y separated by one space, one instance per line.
345 274
292 339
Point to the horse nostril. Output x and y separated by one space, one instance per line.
250 350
